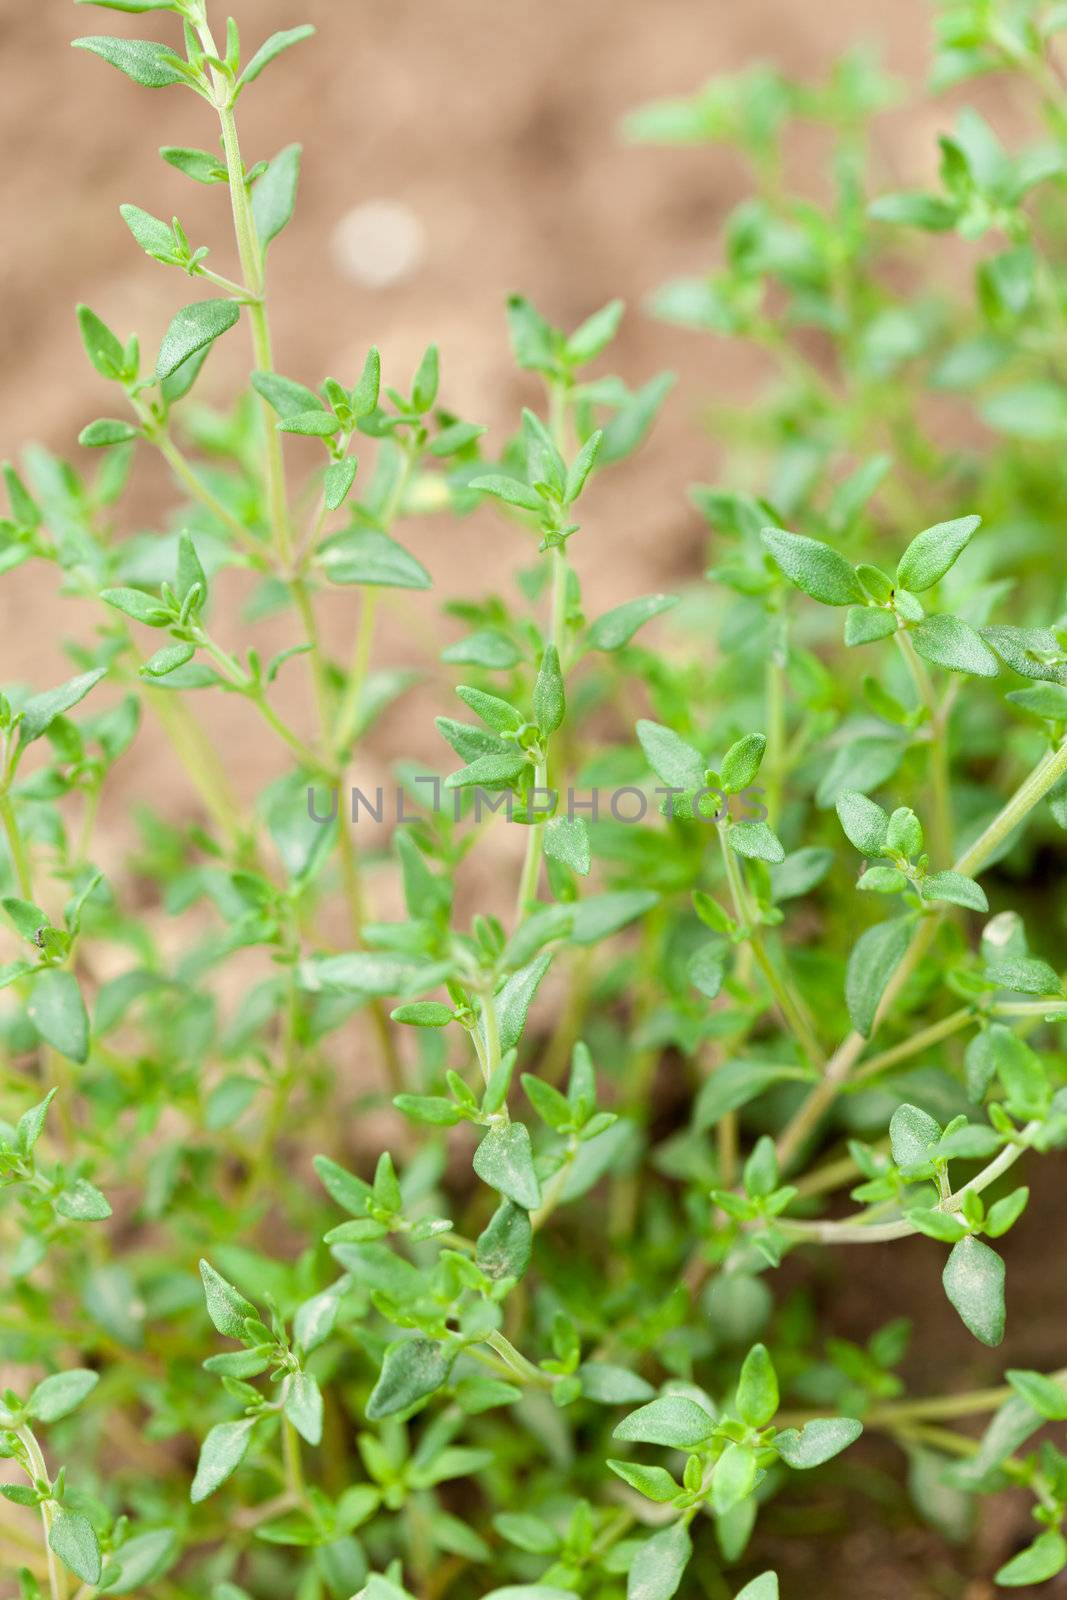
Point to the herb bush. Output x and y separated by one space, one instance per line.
539 1348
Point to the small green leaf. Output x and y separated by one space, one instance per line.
132 6
1037 1563
40 712
634 418
930 212
659 1563
82 1201
221 1453
317 424
1041 1394
31 1124
742 762
1004 1213
152 65
506 1243
974 1283
302 1404
504 1160
950 642
137 604
284 395
26 918
57 1011
866 624
315 1320
510 490
655 1483
194 328
168 660
424 1014
1024 975
103 348
426 381
765 1587
60 1394
107 431
366 555
734 1478
613 1386
913 1133
566 839
673 1419
757 1388
706 970
74 1541
956 889
226 1306
274 194
271 49
581 468
674 762
817 1441
595 333
411 1370
875 957
616 628
733 1085
756 841
155 236
200 165
348 1191
514 999
338 480
549 697
936 1224
368 973
140 1560
815 567
932 552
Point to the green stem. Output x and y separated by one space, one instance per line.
199 759
1052 1007
156 433
553 1190
252 267
20 858
518 1362
294 1471
352 878
878 1233
320 683
199 490
492 1035
57 1573
254 693
937 1407
1030 792
940 786
773 761
557 636
238 290
916 1043
351 704
531 861
789 1003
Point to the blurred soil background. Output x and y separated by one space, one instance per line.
495 128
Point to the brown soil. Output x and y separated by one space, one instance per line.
497 125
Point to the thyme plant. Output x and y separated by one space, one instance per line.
778 969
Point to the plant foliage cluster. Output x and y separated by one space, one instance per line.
538 1349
